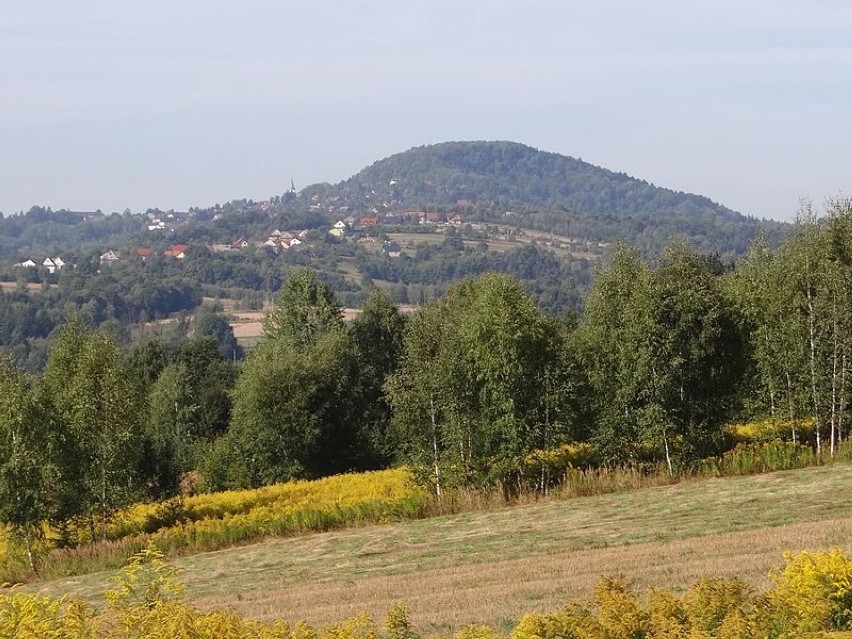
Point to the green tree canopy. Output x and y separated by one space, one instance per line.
304 310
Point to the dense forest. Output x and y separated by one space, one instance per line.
550 192
470 390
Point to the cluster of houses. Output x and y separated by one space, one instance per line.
143 253
351 223
277 240
52 264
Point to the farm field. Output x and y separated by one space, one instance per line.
492 566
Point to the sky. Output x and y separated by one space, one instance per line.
179 103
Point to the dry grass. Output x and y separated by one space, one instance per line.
32 287
490 567
499 591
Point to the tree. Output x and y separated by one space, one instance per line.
615 322
305 309
816 280
96 405
188 407
168 424
292 409
694 357
757 288
467 392
665 354
419 393
146 362
208 323
26 468
378 338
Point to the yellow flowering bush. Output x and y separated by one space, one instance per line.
762 430
560 458
388 488
811 597
210 521
814 590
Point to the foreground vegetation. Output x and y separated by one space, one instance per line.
187 525
491 565
211 521
810 596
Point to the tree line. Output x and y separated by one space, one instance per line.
465 391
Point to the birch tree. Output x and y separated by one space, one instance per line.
92 400
26 468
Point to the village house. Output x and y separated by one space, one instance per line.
339 229
392 249
53 264
176 250
109 256
429 218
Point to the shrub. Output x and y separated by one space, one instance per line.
813 592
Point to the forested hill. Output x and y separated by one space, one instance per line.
548 191
500 183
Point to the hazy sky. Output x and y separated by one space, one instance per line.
178 103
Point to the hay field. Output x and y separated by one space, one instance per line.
492 566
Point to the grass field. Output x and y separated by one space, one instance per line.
491 566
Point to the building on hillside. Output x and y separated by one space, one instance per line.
339 229
53 264
110 256
392 249
176 250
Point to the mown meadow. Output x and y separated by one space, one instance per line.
803 594
491 564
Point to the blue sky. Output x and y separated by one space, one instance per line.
185 103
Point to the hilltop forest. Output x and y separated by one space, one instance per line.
476 388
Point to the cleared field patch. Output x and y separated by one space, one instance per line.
31 287
491 566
